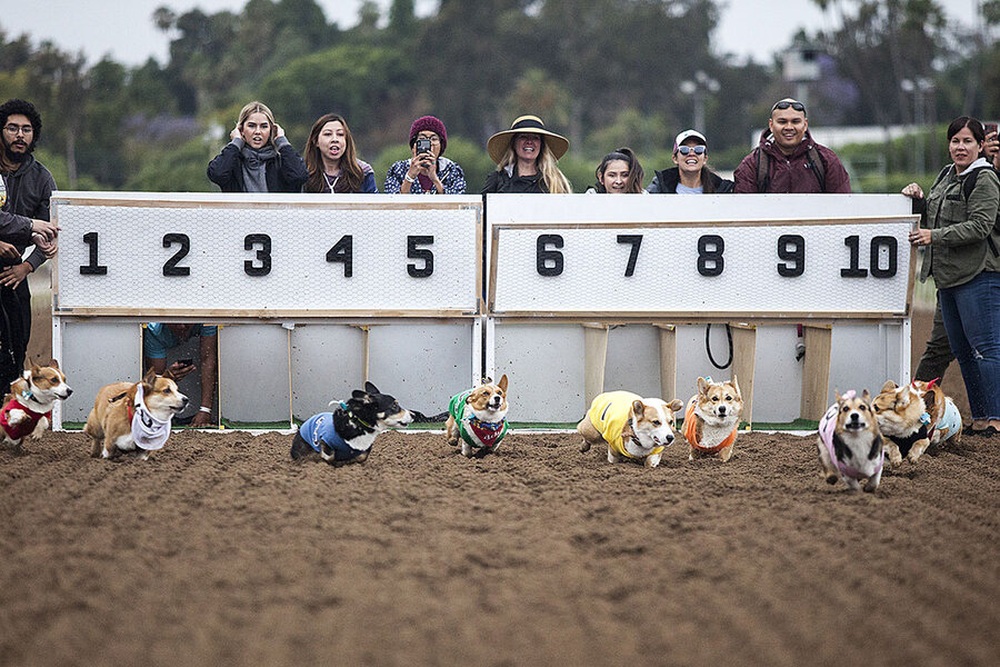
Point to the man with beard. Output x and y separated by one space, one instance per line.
29 188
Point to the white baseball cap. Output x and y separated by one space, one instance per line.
690 134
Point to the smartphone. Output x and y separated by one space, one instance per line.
991 128
186 362
423 146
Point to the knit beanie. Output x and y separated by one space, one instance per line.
429 124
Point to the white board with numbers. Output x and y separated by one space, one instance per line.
662 257
267 255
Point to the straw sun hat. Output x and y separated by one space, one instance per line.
499 142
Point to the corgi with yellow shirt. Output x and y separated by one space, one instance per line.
633 428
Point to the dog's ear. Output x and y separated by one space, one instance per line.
150 377
371 389
702 386
676 405
736 386
54 364
503 383
866 397
889 386
638 407
358 395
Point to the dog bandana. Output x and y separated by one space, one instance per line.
148 432
691 433
18 431
609 414
827 426
475 432
319 429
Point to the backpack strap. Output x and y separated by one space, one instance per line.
763 170
813 159
968 185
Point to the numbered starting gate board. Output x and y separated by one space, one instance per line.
215 255
695 257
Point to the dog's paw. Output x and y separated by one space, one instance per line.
832 479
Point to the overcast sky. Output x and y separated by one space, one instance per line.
124 28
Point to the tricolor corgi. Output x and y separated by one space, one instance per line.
849 442
909 418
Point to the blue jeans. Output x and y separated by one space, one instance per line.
971 314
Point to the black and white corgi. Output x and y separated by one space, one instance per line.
346 435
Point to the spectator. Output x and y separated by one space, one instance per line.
962 251
332 160
691 176
526 156
426 171
158 338
618 173
29 187
788 160
259 157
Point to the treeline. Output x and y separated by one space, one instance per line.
606 73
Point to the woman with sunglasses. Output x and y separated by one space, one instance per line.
691 176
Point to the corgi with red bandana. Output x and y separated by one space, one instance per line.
712 417
28 408
479 418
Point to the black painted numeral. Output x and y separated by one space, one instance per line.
792 249
549 262
414 251
635 240
171 268
343 251
878 243
92 268
263 244
891 247
710 250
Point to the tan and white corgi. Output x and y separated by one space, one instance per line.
712 418
632 427
28 408
134 416
944 419
479 418
850 443
904 421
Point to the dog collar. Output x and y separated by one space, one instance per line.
350 413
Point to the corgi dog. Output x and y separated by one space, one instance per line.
347 434
633 428
904 421
134 416
28 407
850 443
479 418
712 417
945 421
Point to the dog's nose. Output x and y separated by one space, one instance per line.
722 411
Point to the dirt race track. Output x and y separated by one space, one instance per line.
222 551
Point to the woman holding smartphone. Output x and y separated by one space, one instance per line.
426 171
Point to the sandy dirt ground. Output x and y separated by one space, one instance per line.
222 551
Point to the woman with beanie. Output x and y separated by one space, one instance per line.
426 171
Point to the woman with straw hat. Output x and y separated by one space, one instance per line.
526 157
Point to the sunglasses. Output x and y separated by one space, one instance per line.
784 104
686 150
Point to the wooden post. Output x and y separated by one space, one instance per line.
745 363
818 339
595 354
668 361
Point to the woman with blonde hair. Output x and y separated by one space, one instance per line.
259 157
332 159
526 156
